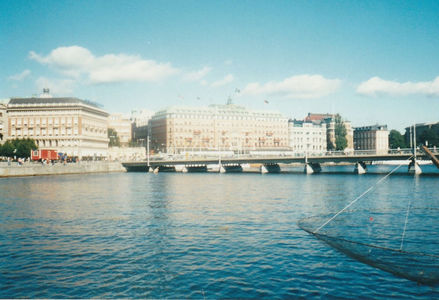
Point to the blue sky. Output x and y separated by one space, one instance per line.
371 61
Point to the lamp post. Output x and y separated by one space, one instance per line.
147 150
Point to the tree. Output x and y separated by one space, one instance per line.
429 135
7 149
340 133
114 139
396 140
18 148
330 145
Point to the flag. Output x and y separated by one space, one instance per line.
266 101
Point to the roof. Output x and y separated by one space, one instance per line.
375 127
38 100
318 117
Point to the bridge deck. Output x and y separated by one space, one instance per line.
280 160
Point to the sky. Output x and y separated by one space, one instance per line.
371 61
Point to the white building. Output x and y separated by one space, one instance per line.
307 137
374 138
68 125
122 125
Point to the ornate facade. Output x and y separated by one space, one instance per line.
219 128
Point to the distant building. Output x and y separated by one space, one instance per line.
3 123
307 137
68 125
217 127
420 129
329 120
140 119
375 137
122 125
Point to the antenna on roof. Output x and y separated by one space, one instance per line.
46 93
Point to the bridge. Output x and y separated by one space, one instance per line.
271 164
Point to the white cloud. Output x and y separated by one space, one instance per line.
227 79
299 86
20 76
60 87
75 60
197 75
376 86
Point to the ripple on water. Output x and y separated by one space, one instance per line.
189 236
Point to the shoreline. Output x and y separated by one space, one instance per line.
37 169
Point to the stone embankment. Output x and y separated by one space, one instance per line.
37 169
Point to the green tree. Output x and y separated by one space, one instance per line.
7 149
340 133
330 145
18 147
429 135
114 139
396 140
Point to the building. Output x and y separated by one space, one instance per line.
140 119
307 137
217 127
329 120
69 125
122 125
375 138
3 123
421 133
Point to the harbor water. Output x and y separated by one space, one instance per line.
195 235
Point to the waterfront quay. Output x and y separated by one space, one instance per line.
14 169
271 164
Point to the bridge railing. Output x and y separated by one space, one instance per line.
405 151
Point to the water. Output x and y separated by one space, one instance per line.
174 235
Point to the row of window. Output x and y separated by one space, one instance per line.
308 132
43 132
314 140
20 121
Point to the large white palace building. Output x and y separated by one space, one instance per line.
217 127
68 125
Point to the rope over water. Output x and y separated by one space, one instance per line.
361 196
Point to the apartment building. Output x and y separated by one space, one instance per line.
307 137
375 138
